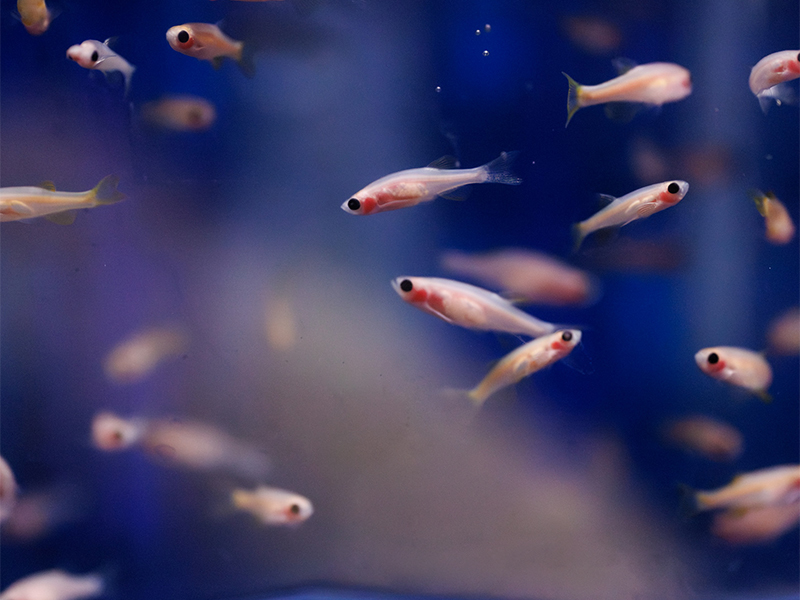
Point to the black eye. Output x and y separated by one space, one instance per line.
798 58
713 358
566 336
95 56
353 204
406 285
183 37
673 188
294 509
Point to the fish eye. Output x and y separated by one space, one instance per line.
294 509
183 36
713 358
566 336
798 58
673 188
406 285
353 204
95 56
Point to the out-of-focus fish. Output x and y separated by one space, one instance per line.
38 513
780 228
92 54
756 525
280 323
35 16
773 486
135 358
8 490
111 432
273 506
592 33
468 306
639 204
767 77
530 276
54 585
180 113
737 366
29 202
653 83
440 178
783 335
710 438
524 361
205 41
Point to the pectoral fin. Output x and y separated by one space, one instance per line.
66 217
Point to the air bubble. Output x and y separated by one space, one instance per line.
486 53
487 28
438 89
477 32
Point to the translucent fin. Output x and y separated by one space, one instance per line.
764 396
689 505
623 65
445 162
577 237
458 194
760 200
216 62
499 170
66 217
48 185
621 112
246 61
106 192
604 200
111 41
21 208
573 97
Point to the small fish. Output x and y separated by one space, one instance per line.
273 506
780 228
205 41
783 335
440 178
592 33
29 202
524 361
180 113
530 276
35 16
92 54
112 433
773 486
468 306
8 490
737 366
54 585
639 204
653 83
772 71
708 437
136 357
756 525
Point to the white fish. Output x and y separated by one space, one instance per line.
180 113
737 366
35 16
468 306
412 186
111 432
92 54
780 228
524 361
767 77
273 506
8 490
136 357
756 525
773 486
653 83
706 436
54 585
783 334
530 276
205 41
29 202
639 204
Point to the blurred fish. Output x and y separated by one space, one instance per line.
737 366
273 506
772 71
18 203
653 83
783 335
38 513
205 41
773 486
529 276
440 178
780 228
280 323
35 16
468 306
92 54
639 204
111 433
592 34
708 437
8 490
756 525
638 256
136 357
524 361
648 161
54 585
180 113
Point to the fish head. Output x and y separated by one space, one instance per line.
673 192
565 340
710 360
360 204
87 54
296 509
182 38
411 289
111 433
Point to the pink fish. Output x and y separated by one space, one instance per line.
767 77
737 366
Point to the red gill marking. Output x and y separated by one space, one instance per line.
793 66
418 296
369 205
716 368
557 345
436 302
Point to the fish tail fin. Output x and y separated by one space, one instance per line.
577 237
689 504
106 191
246 60
241 499
573 97
764 396
759 198
499 170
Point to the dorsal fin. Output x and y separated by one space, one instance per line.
445 162
111 41
48 185
604 200
623 65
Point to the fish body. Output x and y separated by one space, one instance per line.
768 75
654 84
639 204
468 306
708 437
524 361
783 335
30 202
111 432
93 54
205 41
180 113
412 186
773 486
54 585
273 506
756 525
8 490
35 15
135 358
737 366
780 228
